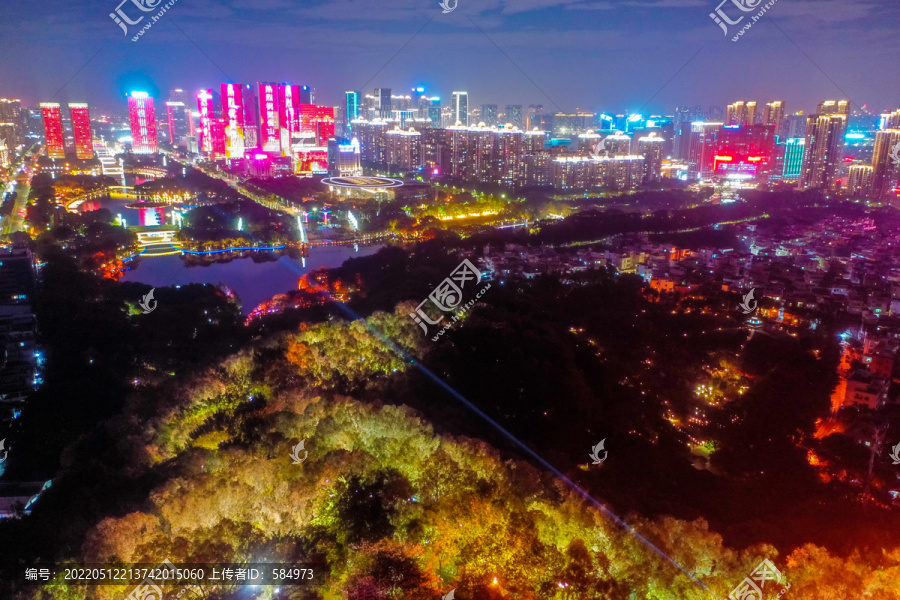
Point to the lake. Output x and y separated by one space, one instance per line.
253 282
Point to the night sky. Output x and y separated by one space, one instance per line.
596 55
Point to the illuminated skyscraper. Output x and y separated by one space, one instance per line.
269 130
382 103
212 130
143 123
745 151
404 149
53 130
702 149
460 108
889 120
251 117
885 167
352 107
792 166
651 148
514 115
81 129
434 112
178 118
533 117
859 182
489 114
233 114
824 144
741 113
316 124
12 123
306 95
288 115
773 114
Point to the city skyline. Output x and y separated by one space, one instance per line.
623 59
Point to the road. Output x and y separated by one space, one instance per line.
16 220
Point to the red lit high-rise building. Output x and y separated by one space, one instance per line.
81 129
53 130
317 122
269 130
233 115
745 152
143 123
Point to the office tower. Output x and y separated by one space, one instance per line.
514 115
533 116
53 130
792 165
316 124
460 104
81 130
745 151
306 95
651 148
434 112
4 154
178 118
773 114
889 120
824 144
269 129
702 149
251 117
382 103
143 123
12 123
288 115
211 144
352 107
795 126
885 170
344 158
685 116
489 114
859 182
741 113
233 115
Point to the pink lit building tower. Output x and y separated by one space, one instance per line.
81 128
269 130
53 130
288 115
233 113
212 130
143 123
